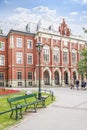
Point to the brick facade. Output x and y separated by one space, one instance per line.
58 60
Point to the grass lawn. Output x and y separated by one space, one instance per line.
5 120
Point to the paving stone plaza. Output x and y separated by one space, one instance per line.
68 112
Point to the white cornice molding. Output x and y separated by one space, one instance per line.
66 39
80 42
73 41
59 37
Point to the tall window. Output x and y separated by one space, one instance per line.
2 46
56 54
29 44
29 75
19 83
1 84
19 75
1 76
30 58
19 57
65 55
2 60
73 56
19 42
46 53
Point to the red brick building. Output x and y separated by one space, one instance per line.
59 56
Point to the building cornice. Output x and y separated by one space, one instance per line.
2 36
55 34
20 32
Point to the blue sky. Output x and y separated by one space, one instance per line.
17 13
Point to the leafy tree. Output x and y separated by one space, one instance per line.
85 30
82 64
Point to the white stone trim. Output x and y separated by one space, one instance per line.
67 70
58 70
49 71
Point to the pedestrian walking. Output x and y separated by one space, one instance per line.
83 84
77 84
71 85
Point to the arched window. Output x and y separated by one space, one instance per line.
65 55
56 54
46 53
46 78
74 59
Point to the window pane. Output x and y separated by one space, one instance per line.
46 54
29 75
29 44
1 76
19 57
2 46
1 60
73 57
19 75
29 83
56 56
1 84
19 83
65 58
19 42
29 59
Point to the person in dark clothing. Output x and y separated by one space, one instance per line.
83 85
10 86
71 85
77 84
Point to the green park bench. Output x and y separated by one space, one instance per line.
46 94
25 101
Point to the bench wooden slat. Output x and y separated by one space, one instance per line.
19 102
15 98
18 105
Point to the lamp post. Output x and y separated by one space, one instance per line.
39 46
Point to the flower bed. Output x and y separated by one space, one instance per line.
4 91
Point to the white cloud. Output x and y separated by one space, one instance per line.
46 10
22 16
84 1
70 19
19 10
74 13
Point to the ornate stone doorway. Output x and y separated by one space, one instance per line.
56 78
46 78
65 77
74 77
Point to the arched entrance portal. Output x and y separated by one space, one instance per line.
74 77
66 77
56 78
46 78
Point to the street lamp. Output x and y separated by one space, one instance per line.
39 47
